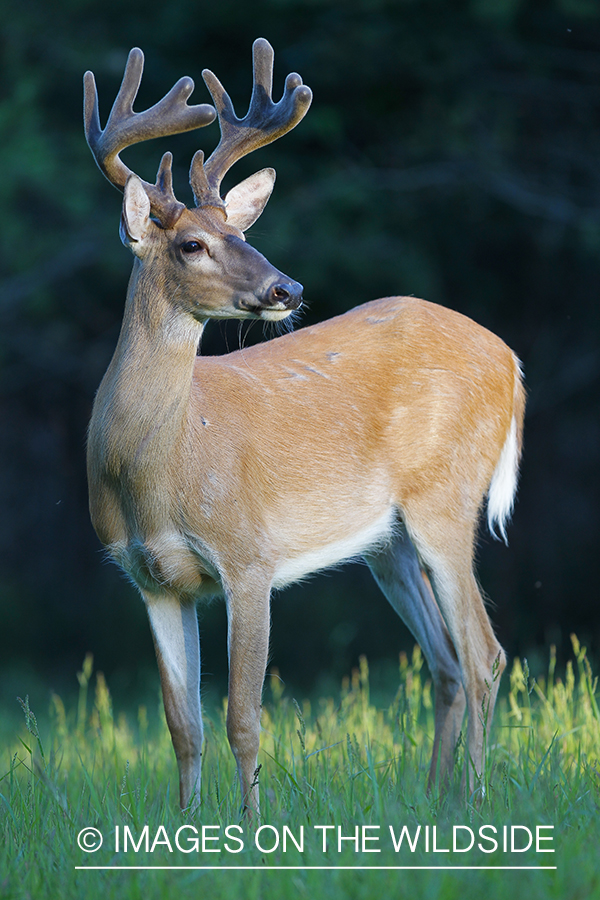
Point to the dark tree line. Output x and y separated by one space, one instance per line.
452 152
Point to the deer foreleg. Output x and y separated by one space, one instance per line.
248 642
175 631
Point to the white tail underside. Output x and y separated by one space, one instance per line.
503 487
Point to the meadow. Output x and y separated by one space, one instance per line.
344 805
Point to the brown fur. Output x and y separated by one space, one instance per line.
376 433
208 475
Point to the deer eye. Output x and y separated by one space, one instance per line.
193 247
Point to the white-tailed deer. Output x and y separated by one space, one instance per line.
378 434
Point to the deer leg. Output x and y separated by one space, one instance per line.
175 631
248 645
397 571
446 550
482 661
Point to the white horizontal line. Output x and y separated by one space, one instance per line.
304 868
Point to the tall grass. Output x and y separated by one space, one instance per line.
339 762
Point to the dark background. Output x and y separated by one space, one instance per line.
452 152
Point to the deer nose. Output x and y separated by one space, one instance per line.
288 293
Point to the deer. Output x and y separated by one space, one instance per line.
379 434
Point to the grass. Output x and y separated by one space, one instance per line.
342 763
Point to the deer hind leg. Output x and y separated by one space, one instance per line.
248 644
175 631
397 571
445 547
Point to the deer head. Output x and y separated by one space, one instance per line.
202 251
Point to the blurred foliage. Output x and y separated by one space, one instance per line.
452 151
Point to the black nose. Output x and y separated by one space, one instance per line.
289 293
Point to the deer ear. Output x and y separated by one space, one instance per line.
135 217
245 202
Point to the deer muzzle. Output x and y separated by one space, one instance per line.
284 295
276 301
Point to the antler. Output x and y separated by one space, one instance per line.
171 115
264 122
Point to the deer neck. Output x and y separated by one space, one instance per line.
141 405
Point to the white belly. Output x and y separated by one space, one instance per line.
297 567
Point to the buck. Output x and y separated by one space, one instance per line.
376 434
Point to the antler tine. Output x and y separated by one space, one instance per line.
264 122
171 115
